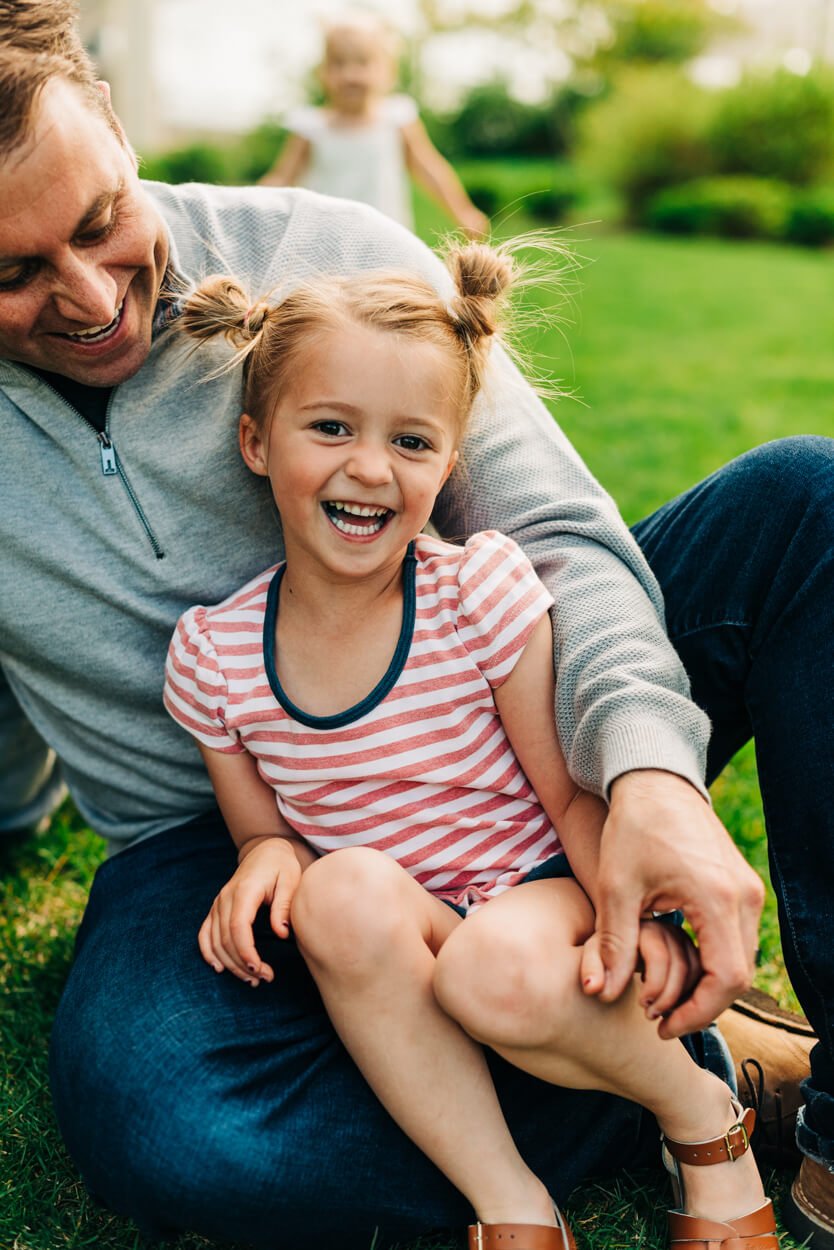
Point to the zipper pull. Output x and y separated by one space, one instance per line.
108 455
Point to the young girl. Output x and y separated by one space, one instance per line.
376 714
365 141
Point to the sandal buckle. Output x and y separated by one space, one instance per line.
737 1141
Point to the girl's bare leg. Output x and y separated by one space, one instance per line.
510 977
369 934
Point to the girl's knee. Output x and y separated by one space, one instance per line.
503 989
345 906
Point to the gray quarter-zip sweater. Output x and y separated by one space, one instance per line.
105 540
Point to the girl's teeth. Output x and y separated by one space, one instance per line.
347 528
359 509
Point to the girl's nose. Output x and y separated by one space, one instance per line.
369 464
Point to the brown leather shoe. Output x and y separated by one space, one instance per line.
770 1048
756 1231
522 1236
808 1211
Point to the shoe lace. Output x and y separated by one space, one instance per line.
770 1127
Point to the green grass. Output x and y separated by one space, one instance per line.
684 354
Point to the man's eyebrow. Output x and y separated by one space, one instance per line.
99 204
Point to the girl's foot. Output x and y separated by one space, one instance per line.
716 1173
720 1196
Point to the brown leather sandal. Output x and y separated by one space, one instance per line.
756 1231
523 1236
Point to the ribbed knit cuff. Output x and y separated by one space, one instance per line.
625 748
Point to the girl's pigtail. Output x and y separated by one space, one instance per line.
483 277
220 305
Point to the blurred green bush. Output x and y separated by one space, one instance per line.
491 122
811 219
649 133
543 189
737 207
779 125
232 162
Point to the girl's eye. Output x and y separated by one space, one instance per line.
411 442
332 429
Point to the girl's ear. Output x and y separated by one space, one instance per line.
453 459
252 446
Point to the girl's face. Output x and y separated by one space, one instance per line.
357 447
356 71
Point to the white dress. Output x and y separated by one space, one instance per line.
364 162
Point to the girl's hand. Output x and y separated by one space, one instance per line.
268 874
670 967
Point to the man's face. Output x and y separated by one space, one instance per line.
82 248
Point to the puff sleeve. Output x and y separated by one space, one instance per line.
195 691
501 600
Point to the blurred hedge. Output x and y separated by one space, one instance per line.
739 207
543 189
779 125
649 133
233 162
658 129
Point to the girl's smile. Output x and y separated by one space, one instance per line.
357 520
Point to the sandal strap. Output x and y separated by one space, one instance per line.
522 1237
756 1231
730 1146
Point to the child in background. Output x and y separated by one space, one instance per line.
365 141
376 716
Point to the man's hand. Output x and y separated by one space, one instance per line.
664 848
268 874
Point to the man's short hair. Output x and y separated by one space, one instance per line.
39 41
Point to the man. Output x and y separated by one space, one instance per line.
187 1100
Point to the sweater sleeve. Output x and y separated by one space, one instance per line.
195 687
622 696
501 601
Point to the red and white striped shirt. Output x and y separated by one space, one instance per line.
421 768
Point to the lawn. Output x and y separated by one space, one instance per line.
681 355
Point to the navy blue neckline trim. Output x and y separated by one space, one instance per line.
383 686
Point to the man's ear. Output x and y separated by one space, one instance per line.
252 446
104 89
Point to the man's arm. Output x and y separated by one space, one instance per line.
29 781
627 727
622 696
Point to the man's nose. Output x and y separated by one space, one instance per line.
85 292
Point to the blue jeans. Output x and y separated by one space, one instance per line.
746 563
190 1101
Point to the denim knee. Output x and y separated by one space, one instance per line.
799 467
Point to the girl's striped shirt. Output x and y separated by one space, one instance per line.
421 768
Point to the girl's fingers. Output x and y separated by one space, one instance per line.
591 967
279 912
245 902
204 941
227 940
678 972
655 954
